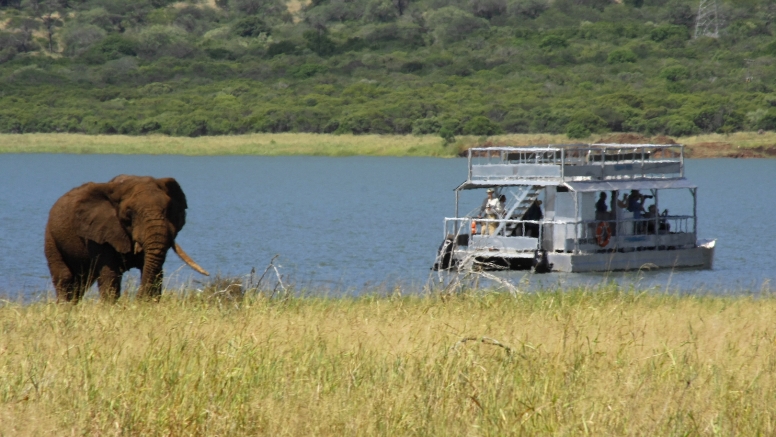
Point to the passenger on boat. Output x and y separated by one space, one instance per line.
502 200
491 210
601 211
636 206
624 216
534 213
651 214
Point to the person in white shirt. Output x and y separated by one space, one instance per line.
492 210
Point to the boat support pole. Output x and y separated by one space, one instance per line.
577 229
694 192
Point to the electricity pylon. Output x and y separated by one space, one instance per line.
707 23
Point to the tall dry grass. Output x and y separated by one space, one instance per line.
310 144
604 361
253 144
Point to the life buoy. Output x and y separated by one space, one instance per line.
474 227
603 233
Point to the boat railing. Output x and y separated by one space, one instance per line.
577 162
500 227
659 232
664 232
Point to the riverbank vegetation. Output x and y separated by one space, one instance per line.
601 361
443 68
738 145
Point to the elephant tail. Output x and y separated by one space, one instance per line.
187 259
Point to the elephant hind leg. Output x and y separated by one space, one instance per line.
65 282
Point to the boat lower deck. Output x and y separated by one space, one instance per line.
700 257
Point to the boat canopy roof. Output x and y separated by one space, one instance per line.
642 184
655 184
475 184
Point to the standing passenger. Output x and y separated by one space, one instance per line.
601 212
491 210
534 213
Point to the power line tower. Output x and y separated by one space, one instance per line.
707 23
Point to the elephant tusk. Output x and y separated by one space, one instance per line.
185 257
138 248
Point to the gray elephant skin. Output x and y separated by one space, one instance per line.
98 231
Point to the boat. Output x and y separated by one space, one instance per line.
575 230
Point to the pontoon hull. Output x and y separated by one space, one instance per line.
700 257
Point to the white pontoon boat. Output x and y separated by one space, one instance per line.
576 233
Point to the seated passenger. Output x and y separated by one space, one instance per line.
651 214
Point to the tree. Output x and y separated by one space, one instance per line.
50 12
319 42
401 5
251 26
527 8
450 24
488 8
24 28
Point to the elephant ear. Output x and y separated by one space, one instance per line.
97 220
176 212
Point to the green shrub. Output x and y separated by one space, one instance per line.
552 42
676 126
675 73
667 31
284 47
450 24
111 47
220 53
412 67
768 120
426 126
319 43
577 130
480 126
250 27
307 70
129 127
588 121
621 56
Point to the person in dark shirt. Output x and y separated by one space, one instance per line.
636 204
601 212
534 213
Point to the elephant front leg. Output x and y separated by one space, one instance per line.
151 286
109 283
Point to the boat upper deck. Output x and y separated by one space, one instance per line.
556 164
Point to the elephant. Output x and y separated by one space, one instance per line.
98 231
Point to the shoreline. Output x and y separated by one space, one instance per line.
735 145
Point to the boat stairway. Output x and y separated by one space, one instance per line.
522 201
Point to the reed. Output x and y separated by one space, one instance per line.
252 144
324 145
602 361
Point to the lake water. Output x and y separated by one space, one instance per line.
351 224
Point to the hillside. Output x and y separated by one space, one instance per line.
459 67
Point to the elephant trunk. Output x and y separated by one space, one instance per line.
152 276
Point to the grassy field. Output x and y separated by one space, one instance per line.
604 361
742 144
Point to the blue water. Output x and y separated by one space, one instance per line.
350 224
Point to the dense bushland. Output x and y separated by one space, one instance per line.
458 67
